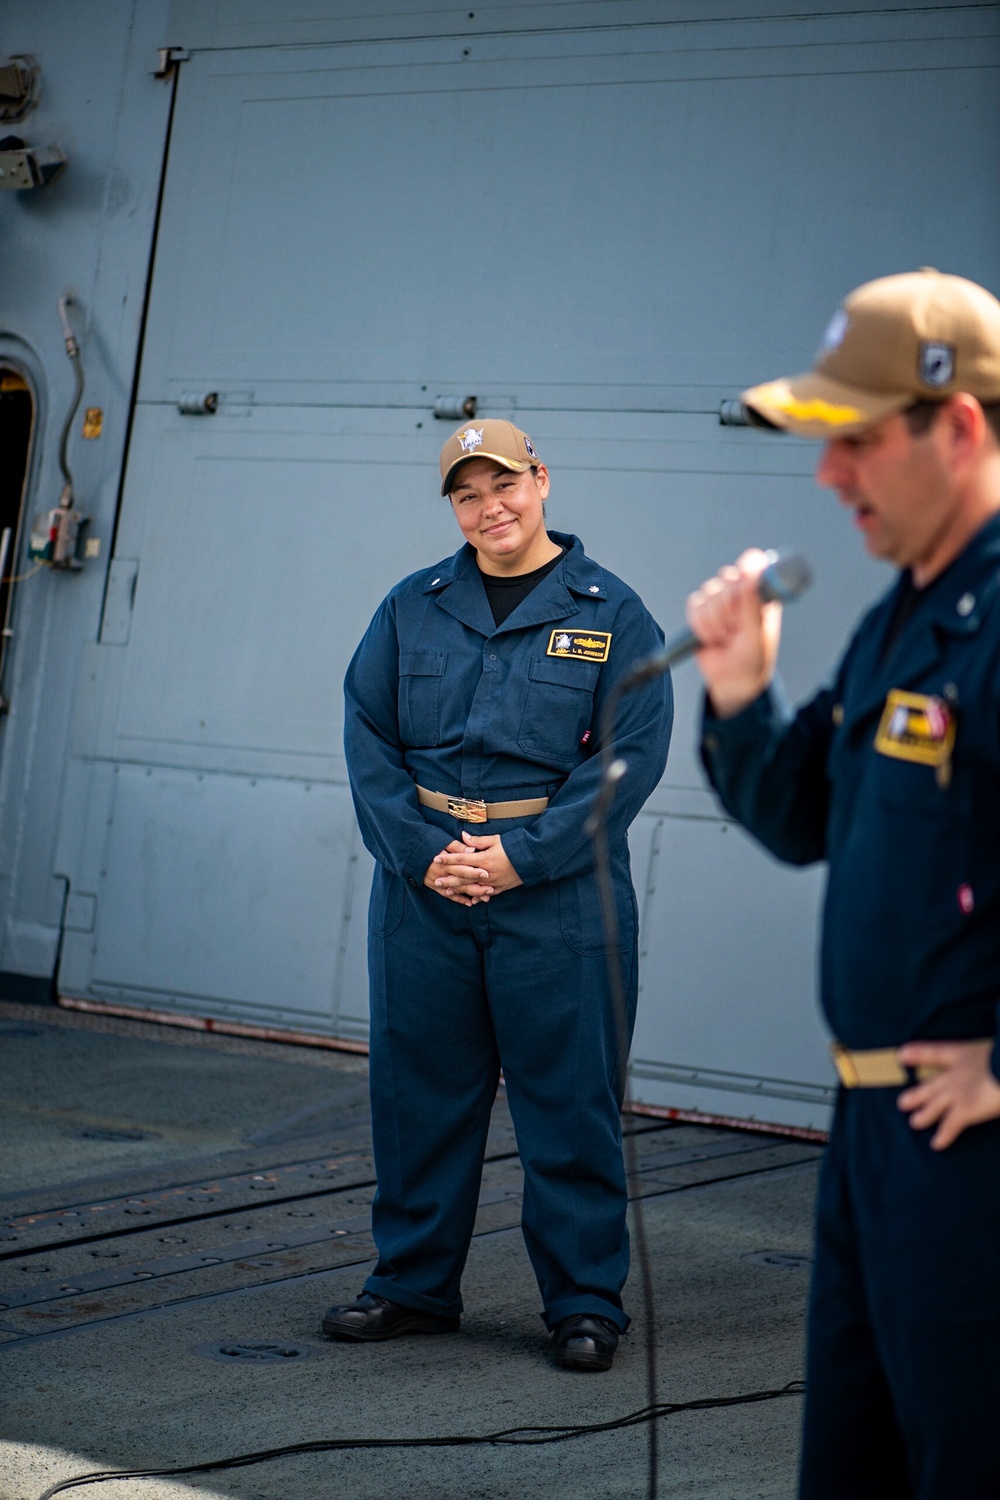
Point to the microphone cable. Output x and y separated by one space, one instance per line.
612 771
785 577
510 1437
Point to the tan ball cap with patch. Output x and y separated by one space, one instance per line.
491 438
922 335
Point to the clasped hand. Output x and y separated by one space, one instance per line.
472 870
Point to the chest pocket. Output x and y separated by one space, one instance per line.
420 674
558 708
903 841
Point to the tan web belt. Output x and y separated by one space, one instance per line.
471 810
878 1068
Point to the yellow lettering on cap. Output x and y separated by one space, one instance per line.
815 410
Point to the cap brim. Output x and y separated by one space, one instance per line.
815 406
498 458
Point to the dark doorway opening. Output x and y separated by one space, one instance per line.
17 420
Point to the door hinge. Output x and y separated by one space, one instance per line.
169 57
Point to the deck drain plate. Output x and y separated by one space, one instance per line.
95 1133
231 1352
780 1260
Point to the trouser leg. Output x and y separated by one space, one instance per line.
559 1040
434 1072
852 1446
930 1231
904 1364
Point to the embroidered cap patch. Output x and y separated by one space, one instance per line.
591 645
833 336
916 727
936 364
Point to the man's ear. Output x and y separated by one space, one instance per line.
965 425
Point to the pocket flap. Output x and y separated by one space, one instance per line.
422 663
563 672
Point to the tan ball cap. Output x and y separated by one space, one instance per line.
919 336
490 438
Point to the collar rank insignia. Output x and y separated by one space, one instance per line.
917 728
470 439
590 645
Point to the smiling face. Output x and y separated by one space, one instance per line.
500 513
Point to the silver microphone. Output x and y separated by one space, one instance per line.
786 576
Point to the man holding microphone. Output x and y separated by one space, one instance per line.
892 775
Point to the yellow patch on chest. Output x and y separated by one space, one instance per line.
916 727
591 645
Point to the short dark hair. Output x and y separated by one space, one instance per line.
920 416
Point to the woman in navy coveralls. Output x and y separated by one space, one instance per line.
482 679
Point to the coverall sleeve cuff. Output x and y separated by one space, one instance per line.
995 1054
428 842
768 711
522 857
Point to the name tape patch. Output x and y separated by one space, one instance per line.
916 727
590 645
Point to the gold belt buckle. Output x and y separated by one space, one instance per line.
467 809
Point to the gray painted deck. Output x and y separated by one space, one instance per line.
256 1157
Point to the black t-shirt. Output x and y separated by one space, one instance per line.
505 594
907 603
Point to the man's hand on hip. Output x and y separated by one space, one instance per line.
964 1092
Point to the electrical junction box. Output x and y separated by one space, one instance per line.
55 535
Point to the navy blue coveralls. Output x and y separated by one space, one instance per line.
440 697
903 1374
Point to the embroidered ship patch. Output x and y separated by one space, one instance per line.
591 645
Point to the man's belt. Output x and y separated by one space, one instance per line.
878 1068
471 810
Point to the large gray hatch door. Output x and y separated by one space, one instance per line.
601 230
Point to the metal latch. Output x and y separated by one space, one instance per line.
18 87
454 408
198 403
24 166
169 57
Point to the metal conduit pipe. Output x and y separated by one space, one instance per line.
73 351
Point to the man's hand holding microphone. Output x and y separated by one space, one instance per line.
739 628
